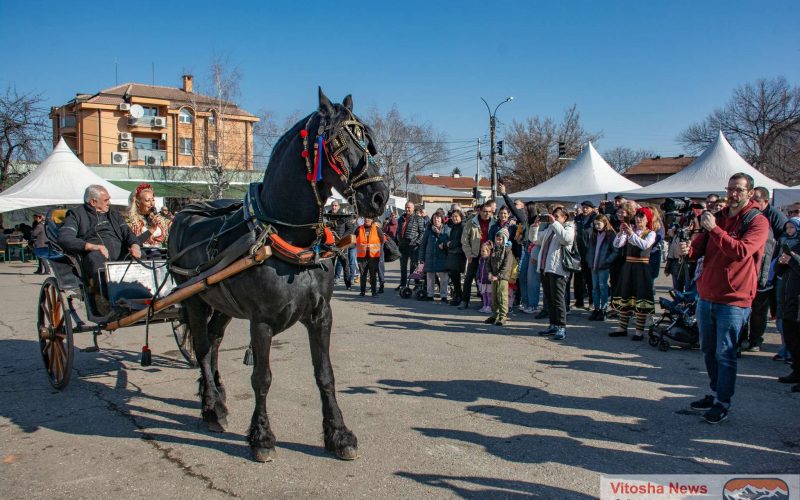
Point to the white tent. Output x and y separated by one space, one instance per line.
588 177
783 197
707 174
60 179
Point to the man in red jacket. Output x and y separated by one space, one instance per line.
731 246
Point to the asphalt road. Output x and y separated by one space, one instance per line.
443 406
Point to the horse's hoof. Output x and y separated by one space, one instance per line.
215 427
347 453
263 454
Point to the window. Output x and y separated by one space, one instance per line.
185 116
185 146
150 110
212 149
145 143
212 119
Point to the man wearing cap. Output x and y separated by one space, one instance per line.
583 231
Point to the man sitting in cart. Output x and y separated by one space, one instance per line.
96 234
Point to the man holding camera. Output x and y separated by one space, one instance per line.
731 245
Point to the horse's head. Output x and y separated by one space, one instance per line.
350 154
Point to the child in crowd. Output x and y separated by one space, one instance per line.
500 265
482 277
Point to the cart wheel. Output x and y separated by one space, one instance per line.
183 337
406 292
421 294
663 346
653 340
54 327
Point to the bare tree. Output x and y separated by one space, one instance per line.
532 148
622 158
267 132
402 142
762 122
225 147
24 131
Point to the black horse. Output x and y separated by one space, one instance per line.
278 293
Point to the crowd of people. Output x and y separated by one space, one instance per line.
738 255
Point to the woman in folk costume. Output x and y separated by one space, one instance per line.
150 227
634 293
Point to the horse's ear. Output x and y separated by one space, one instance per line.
325 105
348 102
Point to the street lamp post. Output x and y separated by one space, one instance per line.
493 153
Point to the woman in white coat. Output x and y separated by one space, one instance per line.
554 241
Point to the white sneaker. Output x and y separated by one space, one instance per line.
529 310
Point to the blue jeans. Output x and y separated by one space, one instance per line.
600 288
351 256
719 326
522 279
534 284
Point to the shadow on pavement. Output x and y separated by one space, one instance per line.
645 435
490 487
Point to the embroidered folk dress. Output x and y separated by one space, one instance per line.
139 226
634 290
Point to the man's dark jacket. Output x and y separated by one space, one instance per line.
79 227
414 232
343 227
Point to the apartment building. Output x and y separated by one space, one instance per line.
148 125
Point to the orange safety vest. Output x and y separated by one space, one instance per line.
373 246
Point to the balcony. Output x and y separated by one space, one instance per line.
150 156
156 122
67 121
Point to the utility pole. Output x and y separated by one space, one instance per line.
478 170
493 152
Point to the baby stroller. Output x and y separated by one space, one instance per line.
677 323
417 276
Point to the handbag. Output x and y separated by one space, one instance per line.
571 258
391 252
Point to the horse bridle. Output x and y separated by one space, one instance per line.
331 148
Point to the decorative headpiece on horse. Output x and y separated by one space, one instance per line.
331 142
143 187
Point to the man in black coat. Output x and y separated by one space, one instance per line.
342 226
583 231
96 234
410 230
753 334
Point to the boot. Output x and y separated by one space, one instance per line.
601 315
380 288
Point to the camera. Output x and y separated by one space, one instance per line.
684 234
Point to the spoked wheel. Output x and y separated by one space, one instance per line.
653 340
54 327
183 337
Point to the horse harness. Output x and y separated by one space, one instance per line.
261 228
350 130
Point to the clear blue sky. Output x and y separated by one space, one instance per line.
639 71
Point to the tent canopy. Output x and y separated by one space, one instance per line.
708 174
61 179
783 197
588 177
